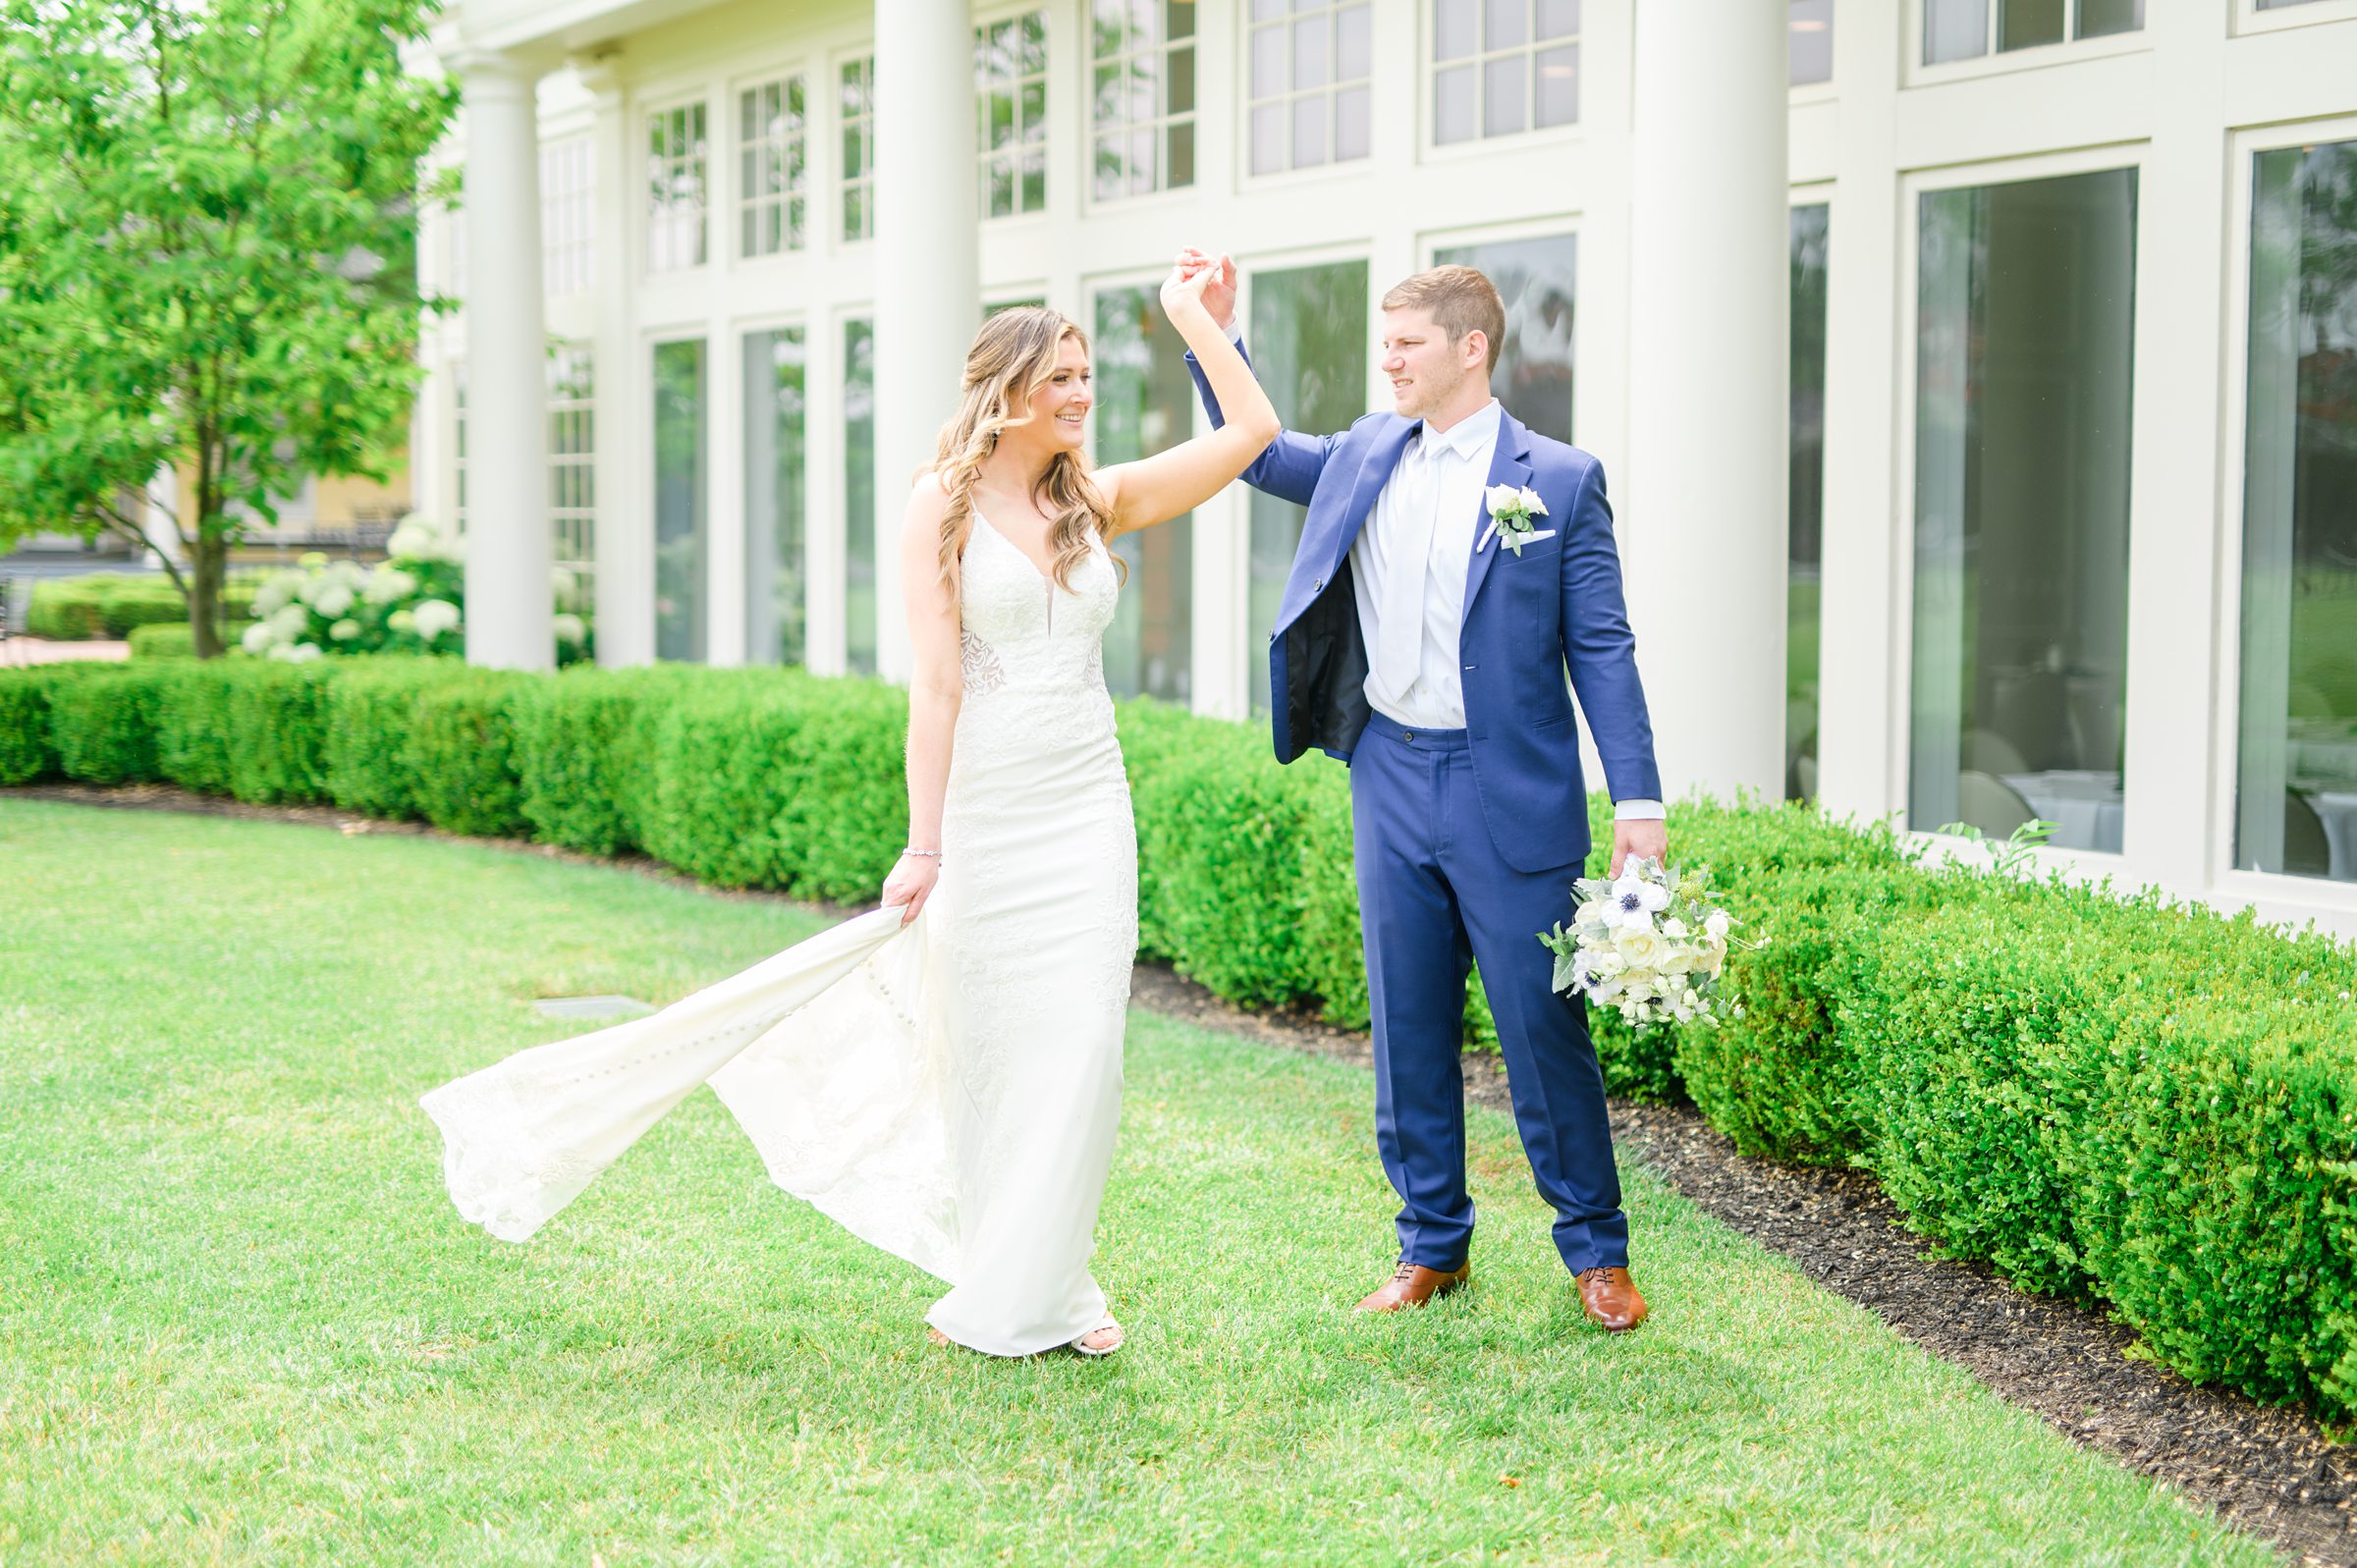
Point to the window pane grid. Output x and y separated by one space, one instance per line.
1143 95
1307 93
567 215
1011 83
573 457
857 108
676 149
1504 67
1971 29
772 139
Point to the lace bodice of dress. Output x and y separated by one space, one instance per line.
1021 632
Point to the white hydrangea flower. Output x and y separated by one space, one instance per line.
344 630
303 653
435 616
289 621
569 628
333 600
389 583
257 637
276 593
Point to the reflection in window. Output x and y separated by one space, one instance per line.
2021 506
1146 404
1308 95
674 162
681 535
1803 598
772 167
1502 67
855 104
1538 280
1811 55
1143 99
860 496
1308 336
776 597
573 457
2297 800
567 214
1010 98
1966 30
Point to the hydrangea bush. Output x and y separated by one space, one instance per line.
408 603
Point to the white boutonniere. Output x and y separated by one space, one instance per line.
1513 515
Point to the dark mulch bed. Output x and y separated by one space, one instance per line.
2266 1470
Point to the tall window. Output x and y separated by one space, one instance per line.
1309 346
855 103
776 597
681 538
771 168
2027 309
1966 30
674 162
2297 801
1308 96
1539 281
859 494
1146 404
567 214
1811 234
1010 98
1810 57
1144 102
1503 67
573 455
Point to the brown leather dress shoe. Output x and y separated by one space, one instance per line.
1610 1299
1412 1285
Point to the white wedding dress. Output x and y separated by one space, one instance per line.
948 1090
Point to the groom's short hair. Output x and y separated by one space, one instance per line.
1460 300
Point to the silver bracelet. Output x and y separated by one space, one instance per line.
928 854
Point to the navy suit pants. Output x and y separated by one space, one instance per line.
1434 897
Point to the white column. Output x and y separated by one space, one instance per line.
1708 408
507 551
626 528
928 271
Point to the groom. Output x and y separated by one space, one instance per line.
1424 641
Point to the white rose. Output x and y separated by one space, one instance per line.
1674 929
1717 925
1502 498
1640 947
1532 502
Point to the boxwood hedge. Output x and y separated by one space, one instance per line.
2114 1098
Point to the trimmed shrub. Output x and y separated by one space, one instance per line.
278 726
461 754
585 749
193 747
28 754
109 606
371 704
102 720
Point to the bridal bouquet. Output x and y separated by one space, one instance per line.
1650 944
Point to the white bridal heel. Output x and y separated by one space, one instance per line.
1081 1342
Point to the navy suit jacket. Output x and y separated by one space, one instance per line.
1557 606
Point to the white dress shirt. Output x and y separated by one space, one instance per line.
1437 484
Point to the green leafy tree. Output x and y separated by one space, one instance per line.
207 259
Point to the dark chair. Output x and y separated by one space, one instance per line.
2307 851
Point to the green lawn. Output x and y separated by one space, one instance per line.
240 1323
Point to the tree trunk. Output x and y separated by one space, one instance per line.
208 566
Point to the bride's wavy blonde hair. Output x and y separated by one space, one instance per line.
1012 357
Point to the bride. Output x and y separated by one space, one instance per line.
941 1076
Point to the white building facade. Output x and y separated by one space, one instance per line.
1977 379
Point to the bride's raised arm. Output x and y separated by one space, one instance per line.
1171 483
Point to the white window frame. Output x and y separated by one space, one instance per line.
1286 96
657 218
2248 17
1160 122
792 151
573 529
1428 72
2070 51
1898 760
2271 890
844 184
568 214
1012 155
